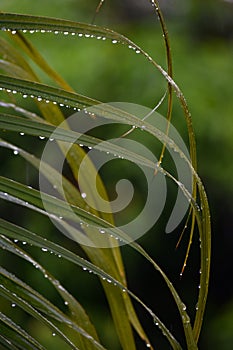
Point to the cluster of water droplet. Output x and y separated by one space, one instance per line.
43 99
136 49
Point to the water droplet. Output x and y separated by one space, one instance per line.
39 99
137 51
45 276
148 345
31 31
84 269
114 41
42 137
65 33
54 334
89 147
66 303
16 240
59 256
15 152
13 305
83 195
183 307
21 133
13 32
24 243
102 230
80 35
87 35
44 249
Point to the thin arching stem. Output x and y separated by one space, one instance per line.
155 4
97 10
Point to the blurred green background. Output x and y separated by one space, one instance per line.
201 36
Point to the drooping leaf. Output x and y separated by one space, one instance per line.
16 336
22 234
